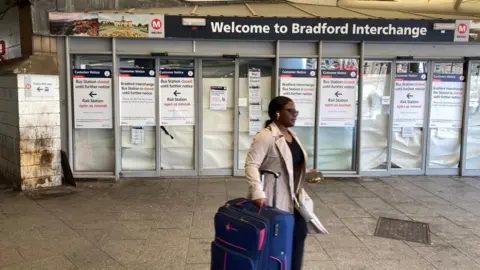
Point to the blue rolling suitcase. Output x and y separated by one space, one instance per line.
247 238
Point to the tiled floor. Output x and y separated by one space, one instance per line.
167 224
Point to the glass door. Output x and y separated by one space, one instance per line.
447 96
377 80
137 86
408 118
217 116
255 90
471 153
177 113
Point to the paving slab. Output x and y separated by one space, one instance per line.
168 224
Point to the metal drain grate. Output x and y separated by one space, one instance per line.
406 230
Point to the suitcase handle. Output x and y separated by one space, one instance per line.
276 175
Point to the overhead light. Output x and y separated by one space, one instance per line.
444 26
194 21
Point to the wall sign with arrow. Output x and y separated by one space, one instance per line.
40 85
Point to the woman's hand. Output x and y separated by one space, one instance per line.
259 202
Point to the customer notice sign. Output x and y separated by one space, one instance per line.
311 29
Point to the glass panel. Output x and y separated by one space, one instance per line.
408 115
446 115
473 133
375 115
260 75
306 119
336 138
137 115
177 141
218 82
94 148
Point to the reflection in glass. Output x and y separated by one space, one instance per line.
177 143
218 116
407 142
473 135
305 134
265 67
94 149
336 145
138 143
375 115
445 141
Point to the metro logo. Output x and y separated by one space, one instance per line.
156 24
462 28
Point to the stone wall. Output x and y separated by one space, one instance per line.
39 134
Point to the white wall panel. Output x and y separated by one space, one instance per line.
93 45
425 51
298 49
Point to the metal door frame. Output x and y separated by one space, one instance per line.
196 134
444 171
237 171
466 120
386 171
118 127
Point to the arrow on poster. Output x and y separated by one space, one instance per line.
177 96
92 111
338 98
409 99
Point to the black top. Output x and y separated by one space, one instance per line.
297 157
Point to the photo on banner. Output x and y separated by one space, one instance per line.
137 97
92 97
131 25
177 96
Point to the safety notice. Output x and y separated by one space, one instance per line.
92 98
447 101
409 99
177 95
300 85
338 98
137 97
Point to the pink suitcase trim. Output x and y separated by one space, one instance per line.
230 244
278 260
261 240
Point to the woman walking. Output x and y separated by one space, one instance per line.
278 149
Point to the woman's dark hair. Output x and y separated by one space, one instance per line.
275 106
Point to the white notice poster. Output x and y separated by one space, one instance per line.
255 109
218 98
137 97
338 98
300 85
409 99
92 98
177 97
447 101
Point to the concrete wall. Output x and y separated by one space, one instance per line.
39 136
9 135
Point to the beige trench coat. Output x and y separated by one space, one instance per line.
270 151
